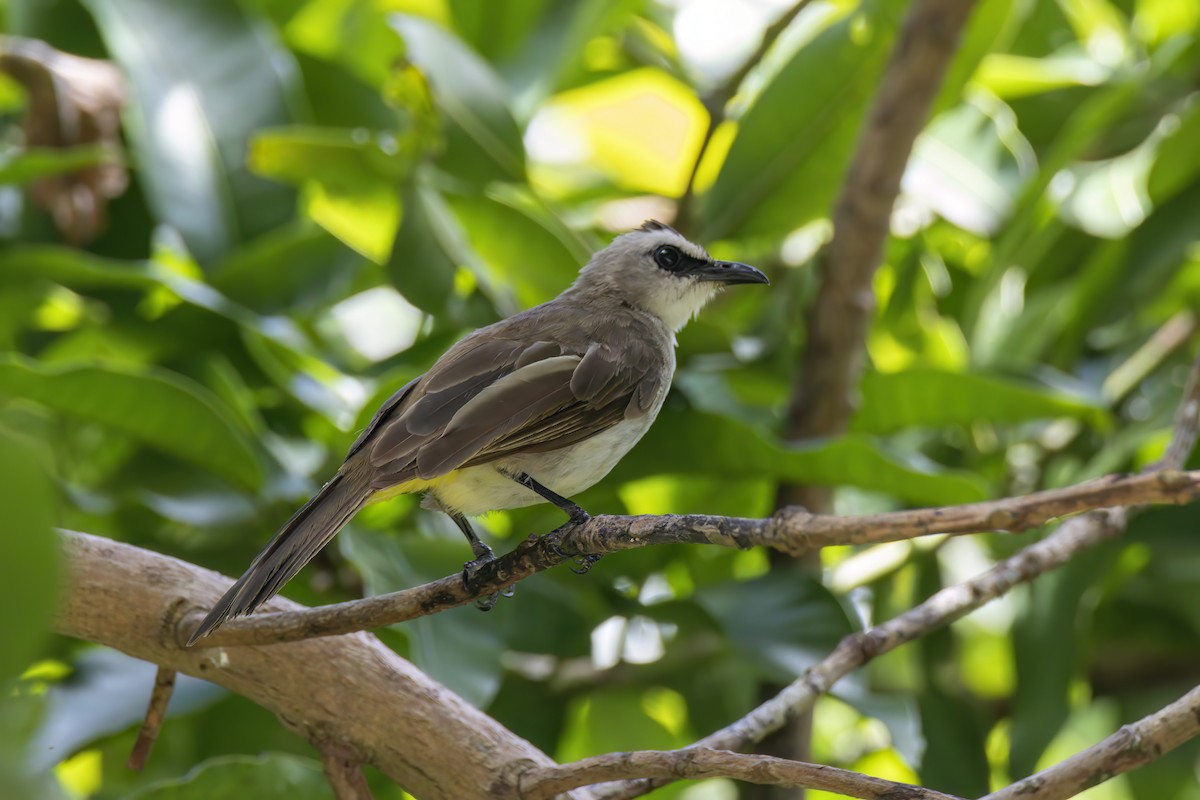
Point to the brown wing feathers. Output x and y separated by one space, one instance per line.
500 397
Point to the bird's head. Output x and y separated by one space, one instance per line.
654 268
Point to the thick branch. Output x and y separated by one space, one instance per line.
791 530
1129 748
352 689
699 762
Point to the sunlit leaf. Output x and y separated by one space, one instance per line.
43 162
350 180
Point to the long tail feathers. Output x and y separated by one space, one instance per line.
301 538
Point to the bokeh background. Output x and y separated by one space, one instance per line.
302 204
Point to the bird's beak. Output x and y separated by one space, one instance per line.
729 272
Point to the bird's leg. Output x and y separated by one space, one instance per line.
578 516
568 507
483 554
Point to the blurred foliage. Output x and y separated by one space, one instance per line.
325 194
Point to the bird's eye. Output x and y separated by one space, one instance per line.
668 257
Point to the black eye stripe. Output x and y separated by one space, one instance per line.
672 259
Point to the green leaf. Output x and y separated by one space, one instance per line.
931 397
968 165
955 733
274 776
428 250
107 693
160 408
483 142
461 647
522 247
792 146
204 76
43 162
689 443
350 180
1049 639
781 623
29 555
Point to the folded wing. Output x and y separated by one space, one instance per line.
500 397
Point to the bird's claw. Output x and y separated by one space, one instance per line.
584 563
470 572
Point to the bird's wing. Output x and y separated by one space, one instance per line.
499 397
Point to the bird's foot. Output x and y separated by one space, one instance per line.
583 562
470 571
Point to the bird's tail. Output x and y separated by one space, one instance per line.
301 538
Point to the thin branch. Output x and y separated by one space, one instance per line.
792 530
717 100
1186 427
941 609
699 762
1132 746
343 769
156 712
1073 537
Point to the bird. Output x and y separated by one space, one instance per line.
534 408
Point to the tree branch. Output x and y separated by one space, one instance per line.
344 771
792 530
1130 747
700 762
351 689
156 712
1073 536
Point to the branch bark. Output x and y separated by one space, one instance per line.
792 530
700 762
1130 747
350 689
946 606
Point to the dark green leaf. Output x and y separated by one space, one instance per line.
160 408
29 555
688 443
923 397
483 142
108 692
275 776
781 623
792 145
